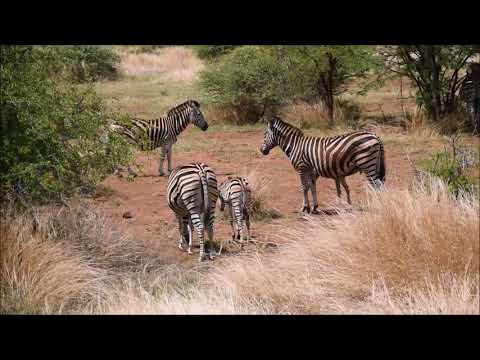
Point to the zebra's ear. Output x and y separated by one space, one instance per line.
196 103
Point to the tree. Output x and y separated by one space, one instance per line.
324 72
249 81
51 143
434 69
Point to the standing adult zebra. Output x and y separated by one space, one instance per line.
332 157
192 195
470 96
163 132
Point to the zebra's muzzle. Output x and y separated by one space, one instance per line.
264 151
204 127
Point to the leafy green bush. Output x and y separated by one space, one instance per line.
80 63
249 80
211 52
53 138
451 167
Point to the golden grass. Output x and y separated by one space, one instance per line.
308 116
260 194
65 259
176 63
414 252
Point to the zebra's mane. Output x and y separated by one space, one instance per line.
284 127
183 106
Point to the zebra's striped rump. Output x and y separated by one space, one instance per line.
192 195
234 194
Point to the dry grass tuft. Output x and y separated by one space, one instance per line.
309 116
64 258
260 186
166 64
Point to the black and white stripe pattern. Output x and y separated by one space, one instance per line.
470 96
333 157
162 132
234 194
192 195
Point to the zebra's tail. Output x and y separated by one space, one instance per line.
381 164
206 199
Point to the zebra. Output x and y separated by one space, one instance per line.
331 157
192 195
470 95
235 193
162 132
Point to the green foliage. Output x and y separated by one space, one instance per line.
312 67
54 141
450 167
212 52
80 63
436 70
249 80
254 80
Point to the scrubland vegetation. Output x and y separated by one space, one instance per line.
411 250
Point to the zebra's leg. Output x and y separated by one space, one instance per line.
190 238
313 189
232 221
181 230
347 190
163 152
305 185
210 239
339 190
169 159
247 224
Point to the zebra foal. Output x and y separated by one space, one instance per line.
331 157
192 195
234 194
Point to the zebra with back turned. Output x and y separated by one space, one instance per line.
234 193
192 195
162 132
470 96
331 157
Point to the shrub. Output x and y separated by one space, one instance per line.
53 134
451 166
80 63
249 80
212 52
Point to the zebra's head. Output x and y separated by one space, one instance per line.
269 141
195 115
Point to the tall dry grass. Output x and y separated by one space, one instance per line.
260 194
60 259
176 63
411 252
414 252
308 116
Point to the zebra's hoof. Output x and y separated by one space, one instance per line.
315 211
306 209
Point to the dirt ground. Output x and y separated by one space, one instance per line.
154 222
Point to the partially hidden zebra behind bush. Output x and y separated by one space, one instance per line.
331 157
234 194
470 96
162 132
192 195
